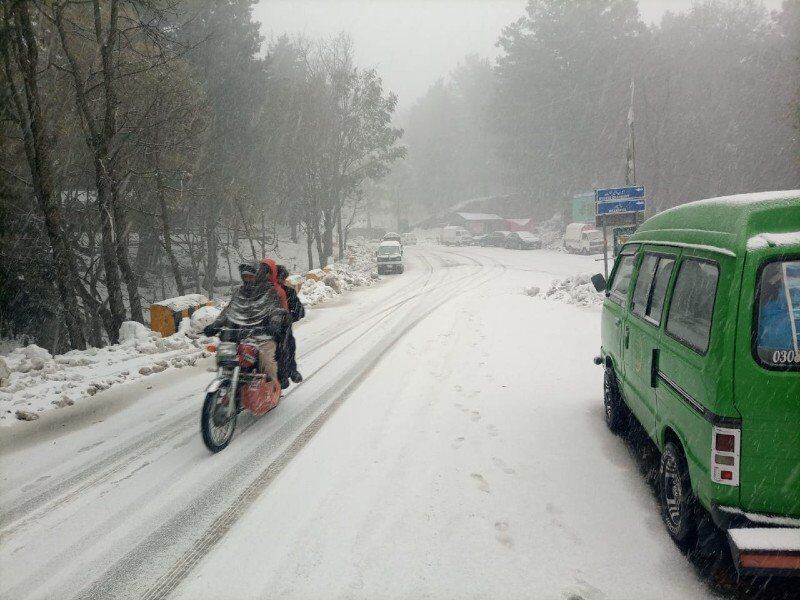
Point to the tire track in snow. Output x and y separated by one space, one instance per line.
62 490
138 564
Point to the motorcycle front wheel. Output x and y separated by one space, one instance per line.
216 427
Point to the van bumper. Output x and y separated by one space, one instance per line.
761 544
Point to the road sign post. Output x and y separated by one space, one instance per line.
618 207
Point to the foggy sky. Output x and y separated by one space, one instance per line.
412 43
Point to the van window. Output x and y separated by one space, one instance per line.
618 290
641 293
777 327
692 305
663 273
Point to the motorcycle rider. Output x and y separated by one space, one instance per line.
297 312
259 302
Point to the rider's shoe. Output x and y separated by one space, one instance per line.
284 383
296 377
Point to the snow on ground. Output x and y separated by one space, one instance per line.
468 458
474 462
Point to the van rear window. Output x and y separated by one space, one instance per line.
777 327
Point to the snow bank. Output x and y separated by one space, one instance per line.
552 233
180 303
576 289
38 382
131 332
204 316
357 270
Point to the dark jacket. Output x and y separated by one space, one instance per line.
259 304
296 308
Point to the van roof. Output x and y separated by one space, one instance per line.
724 224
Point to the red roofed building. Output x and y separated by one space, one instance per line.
519 225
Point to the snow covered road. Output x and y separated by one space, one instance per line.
448 442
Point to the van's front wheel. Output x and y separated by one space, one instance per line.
616 412
678 503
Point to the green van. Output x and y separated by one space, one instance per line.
700 344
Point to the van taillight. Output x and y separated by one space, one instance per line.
725 445
725 442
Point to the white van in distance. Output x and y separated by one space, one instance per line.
582 238
455 235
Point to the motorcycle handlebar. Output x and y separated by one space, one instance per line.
229 334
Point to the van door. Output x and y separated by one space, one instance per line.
616 307
693 374
767 383
641 338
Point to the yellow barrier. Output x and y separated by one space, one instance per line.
166 316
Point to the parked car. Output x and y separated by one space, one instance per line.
496 238
478 240
523 240
391 236
409 239
389 257
455 235
701 345
582 238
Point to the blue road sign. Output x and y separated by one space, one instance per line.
620 200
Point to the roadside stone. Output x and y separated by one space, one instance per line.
63 401
145 371
26 415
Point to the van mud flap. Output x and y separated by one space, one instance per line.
766 550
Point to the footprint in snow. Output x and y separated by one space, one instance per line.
492 430
584 591
500 464
482 484
502 535
475 416
457 443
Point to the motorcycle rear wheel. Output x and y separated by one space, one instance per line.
217 430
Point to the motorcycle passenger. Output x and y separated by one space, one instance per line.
258 302
297 312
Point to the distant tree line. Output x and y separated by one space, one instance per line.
144 141
716 107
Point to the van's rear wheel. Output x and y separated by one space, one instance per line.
616 412
678 502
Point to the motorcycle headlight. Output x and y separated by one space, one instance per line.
226 350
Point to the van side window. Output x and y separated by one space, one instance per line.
618 291
641 293
663 274
692 305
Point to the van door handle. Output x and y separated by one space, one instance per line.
617 322
627 336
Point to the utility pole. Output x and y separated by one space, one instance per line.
630 166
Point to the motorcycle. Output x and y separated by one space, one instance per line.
239 384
